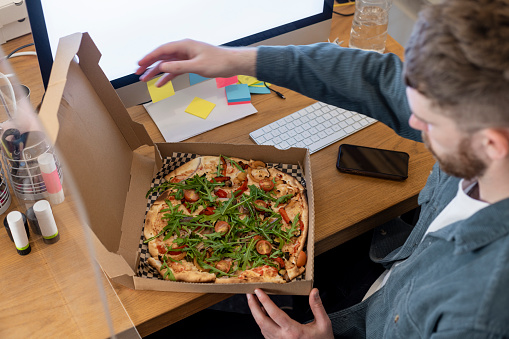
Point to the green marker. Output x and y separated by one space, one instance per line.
19 234
44 215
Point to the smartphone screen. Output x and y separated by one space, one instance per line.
373 162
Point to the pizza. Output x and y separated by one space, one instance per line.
220 219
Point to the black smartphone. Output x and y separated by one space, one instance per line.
373 162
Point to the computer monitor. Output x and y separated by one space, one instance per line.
125 30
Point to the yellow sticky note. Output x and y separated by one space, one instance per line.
246 79
160 93
200 107
259 84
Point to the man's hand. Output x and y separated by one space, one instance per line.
189 56
275 323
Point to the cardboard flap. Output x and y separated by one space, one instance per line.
96 135
48 114
134 133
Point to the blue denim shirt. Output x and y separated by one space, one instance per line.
453 284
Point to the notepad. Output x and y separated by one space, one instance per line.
238 93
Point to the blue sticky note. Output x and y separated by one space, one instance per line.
237 93
259 90
195 78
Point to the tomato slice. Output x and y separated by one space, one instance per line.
259 204
221 193
301 225
266 184
280 262
224 265
191 195
220 179
283 213
222 227
263 247
176 250
241 189
301 259
209 210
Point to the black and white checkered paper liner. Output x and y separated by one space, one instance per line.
170 164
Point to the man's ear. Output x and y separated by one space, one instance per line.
495 143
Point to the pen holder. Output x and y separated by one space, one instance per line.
22 166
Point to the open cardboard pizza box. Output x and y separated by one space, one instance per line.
112 161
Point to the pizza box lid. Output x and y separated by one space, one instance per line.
112 162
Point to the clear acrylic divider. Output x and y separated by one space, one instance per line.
56 288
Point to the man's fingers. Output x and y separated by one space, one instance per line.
274 312
264 322
321 318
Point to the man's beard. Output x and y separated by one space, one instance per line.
463 163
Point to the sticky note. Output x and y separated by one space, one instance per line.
239 102
238 93
223 82
159 93
259 90
195 78
246 79
260 84
200 107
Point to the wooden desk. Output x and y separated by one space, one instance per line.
346 205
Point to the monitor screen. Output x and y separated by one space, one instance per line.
125 30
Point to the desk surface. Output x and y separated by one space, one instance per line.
345 205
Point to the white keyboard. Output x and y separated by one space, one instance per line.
313 127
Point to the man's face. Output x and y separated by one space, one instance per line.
452 148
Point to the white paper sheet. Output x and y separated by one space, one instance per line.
176 125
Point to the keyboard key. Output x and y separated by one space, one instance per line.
349 129
284 145
260 139
313 130
291 141
299 129
283 129
304 119
258 133
306 126
267 129
349 121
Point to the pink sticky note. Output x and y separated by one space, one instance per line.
239 102
223 82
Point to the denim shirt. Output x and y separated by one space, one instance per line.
455 283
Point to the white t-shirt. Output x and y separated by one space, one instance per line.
460 208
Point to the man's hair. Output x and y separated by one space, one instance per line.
458 57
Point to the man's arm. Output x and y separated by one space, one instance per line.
365 82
